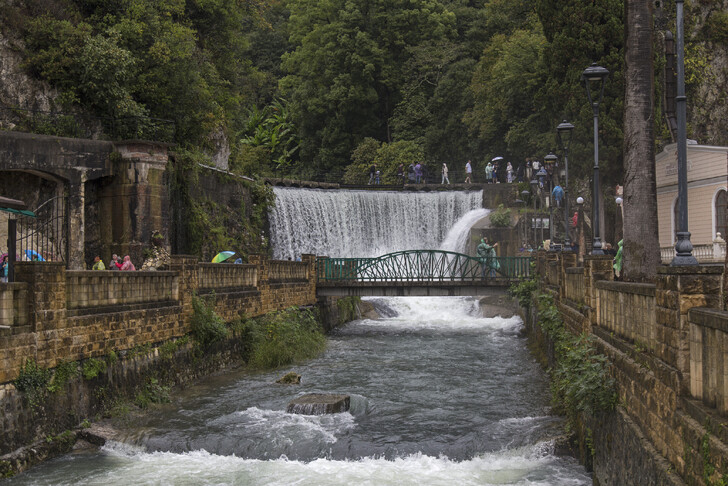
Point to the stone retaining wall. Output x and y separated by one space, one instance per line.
667 343
53 315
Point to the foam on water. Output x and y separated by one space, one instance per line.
534 465
438 313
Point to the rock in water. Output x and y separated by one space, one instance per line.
319 404
291 378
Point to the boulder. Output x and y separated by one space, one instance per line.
319 404
291 378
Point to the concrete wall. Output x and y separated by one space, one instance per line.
668 347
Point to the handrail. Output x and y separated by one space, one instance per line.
420 265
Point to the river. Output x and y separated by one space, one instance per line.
440 396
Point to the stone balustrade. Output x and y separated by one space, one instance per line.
574 284
224 275
285 270
709 357
88 288
638 324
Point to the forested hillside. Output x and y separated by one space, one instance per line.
308 87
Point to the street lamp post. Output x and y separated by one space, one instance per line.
525 195
534 190
597 75
579 229
541 176
550 161
564 134
683 246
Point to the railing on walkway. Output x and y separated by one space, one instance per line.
709 253
212 276
284 270
421 266
89 288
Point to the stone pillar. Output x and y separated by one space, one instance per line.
186 268
46 308
310 260
596 267
137 202
567 260
77 223
266 298
679 289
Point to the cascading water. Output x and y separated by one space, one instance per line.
339 223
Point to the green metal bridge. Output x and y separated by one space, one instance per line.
418 272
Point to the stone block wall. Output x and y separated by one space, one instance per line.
667 343
55 315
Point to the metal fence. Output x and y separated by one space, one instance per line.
45 237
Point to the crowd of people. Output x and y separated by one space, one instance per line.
497 171
125 265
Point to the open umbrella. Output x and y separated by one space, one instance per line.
34 255
496 159
222 256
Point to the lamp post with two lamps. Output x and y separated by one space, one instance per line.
564 130
598 76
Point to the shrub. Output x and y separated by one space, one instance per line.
92 368
63 373
281 338
207 327
152 392
501 217
523 291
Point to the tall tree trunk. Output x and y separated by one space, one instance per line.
641 245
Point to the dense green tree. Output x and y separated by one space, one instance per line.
346 73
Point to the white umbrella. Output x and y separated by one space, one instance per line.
496 159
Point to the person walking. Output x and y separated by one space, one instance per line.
468 173
418 173
372 172
444 174
558 194
489 173
400 173
509 172
411 173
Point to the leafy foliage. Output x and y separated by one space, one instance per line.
206 326
501 217
281 338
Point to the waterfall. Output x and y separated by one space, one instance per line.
341 223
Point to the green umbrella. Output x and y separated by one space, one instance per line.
222 256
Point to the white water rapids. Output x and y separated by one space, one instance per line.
340 223
440 395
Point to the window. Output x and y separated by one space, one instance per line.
721 200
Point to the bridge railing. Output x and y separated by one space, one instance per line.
421 266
